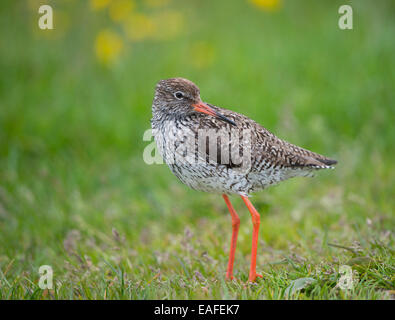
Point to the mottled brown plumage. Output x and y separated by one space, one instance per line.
177 125
220 151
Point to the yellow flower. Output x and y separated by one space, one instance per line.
120 9
269 5
139 26
202 54
108 46
99 4
170 23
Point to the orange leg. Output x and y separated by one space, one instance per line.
235 231
256 220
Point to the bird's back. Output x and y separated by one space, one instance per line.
267 147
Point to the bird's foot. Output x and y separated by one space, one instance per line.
253 276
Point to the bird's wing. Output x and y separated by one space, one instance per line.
282 153
264 146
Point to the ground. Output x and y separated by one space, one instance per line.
75 193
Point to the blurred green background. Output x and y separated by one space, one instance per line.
75 101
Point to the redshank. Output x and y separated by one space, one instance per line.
220 151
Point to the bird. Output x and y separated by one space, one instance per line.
219 151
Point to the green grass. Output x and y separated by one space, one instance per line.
76 194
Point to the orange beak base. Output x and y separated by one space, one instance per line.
204 108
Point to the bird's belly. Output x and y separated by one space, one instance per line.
212 178
273 175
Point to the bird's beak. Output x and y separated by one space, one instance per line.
204 108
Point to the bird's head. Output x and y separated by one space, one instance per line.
181 96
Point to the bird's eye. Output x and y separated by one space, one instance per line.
179 95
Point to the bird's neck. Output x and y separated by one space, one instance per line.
161 114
